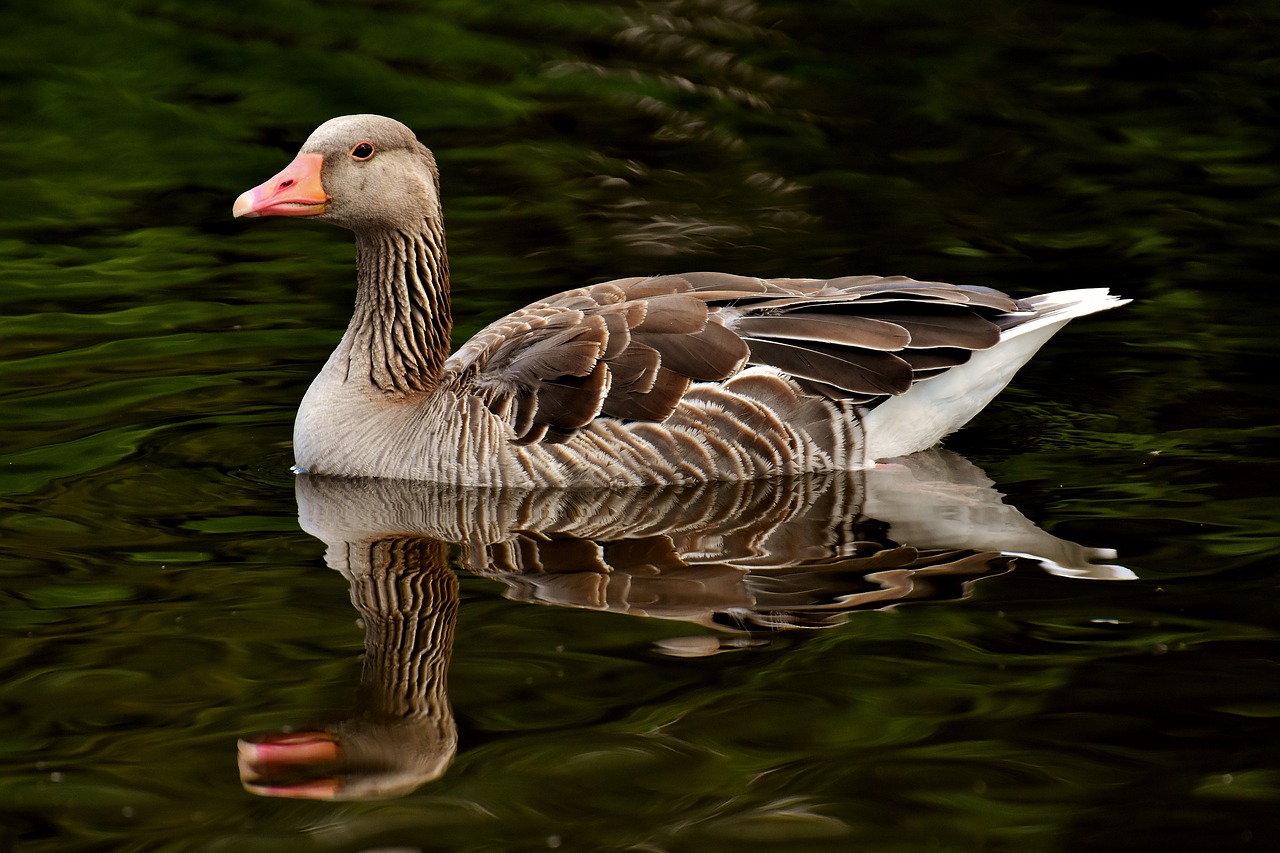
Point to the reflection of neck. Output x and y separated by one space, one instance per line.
408 599
402 318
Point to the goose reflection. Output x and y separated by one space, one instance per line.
746 558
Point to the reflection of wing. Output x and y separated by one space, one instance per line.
631 348
649 577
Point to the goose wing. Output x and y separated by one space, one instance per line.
631 348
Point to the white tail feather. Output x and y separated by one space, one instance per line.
937 407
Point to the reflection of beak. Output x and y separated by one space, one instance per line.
316 789
296 191
282 765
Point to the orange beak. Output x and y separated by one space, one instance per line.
296 191
290 765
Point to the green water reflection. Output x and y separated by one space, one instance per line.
158 600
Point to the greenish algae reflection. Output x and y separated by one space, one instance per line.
157 601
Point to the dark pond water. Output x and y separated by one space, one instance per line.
713 669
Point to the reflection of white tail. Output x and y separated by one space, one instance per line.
940 406
938 498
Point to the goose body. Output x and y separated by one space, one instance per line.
666 379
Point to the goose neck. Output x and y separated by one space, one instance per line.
402 319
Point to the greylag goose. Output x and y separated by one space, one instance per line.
665 379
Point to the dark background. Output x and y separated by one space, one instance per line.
157 599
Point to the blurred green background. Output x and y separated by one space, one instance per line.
157 599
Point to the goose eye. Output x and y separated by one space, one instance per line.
362 150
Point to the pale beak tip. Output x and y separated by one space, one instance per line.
243 208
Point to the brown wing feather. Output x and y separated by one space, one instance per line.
572 402
627 349
634 370
655 404
631 348
945 328
675 314
713 353
939 358
859 371
854 331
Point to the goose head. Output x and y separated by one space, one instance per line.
362 172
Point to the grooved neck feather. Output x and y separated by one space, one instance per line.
402 319
408 601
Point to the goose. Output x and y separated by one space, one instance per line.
662 379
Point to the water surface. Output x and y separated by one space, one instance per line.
160 601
